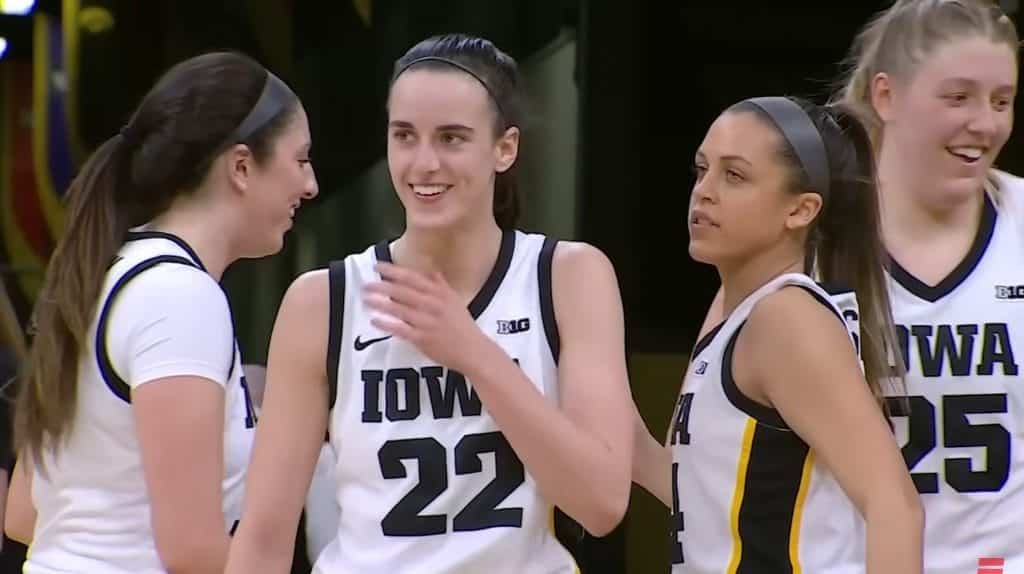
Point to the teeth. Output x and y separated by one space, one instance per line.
429 190
971 153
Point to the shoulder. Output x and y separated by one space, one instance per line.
174 287
576 257
1007 181
308 294
1009 193
584 286
793 322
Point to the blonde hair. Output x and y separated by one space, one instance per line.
897 40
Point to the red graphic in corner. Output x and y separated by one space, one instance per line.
990 565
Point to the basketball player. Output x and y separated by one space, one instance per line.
936 80
474 374
781 458
134 419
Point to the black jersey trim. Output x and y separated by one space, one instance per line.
139 235
774 474
483 297
760 412
705 340
547 302
114 382
336 287
961 272
149 234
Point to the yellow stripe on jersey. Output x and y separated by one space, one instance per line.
737 496
772 483
798 511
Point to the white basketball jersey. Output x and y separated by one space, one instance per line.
748 494
92 503
964 436
426 480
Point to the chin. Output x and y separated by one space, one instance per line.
700 252
271 246
956 190
438 220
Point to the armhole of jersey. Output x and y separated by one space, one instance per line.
336 287
760 412
547 302
114 382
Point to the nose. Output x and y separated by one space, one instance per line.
311 189
983 121
703 190
426 160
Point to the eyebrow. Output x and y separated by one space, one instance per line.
454 128
736 158
973 82
400 124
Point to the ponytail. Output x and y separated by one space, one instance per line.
47 396
848 246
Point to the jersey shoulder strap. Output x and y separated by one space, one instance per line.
114 381
336 287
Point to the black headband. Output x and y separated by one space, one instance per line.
276 96
803 136
462 67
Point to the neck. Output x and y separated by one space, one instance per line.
463 255
741 279
204 228
906 216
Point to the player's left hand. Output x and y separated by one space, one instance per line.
424 310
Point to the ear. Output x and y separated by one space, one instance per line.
803 210
238 162
881 92
506 149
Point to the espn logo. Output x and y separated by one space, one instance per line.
1009 291
990 565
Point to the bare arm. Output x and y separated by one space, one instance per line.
20 514
290 432
812 377
652 459
579 452
180 422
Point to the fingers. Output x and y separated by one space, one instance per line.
402 294
408 277
397 328
408 316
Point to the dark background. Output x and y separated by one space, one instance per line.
651 75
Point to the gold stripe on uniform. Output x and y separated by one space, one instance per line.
798 511
737 496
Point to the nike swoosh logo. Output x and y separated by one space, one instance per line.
360 345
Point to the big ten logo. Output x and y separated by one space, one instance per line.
1009 291
514 326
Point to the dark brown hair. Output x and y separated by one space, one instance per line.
186 120
499 74
844 244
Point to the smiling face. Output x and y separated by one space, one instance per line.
950 119
742 203
278 186
443 149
